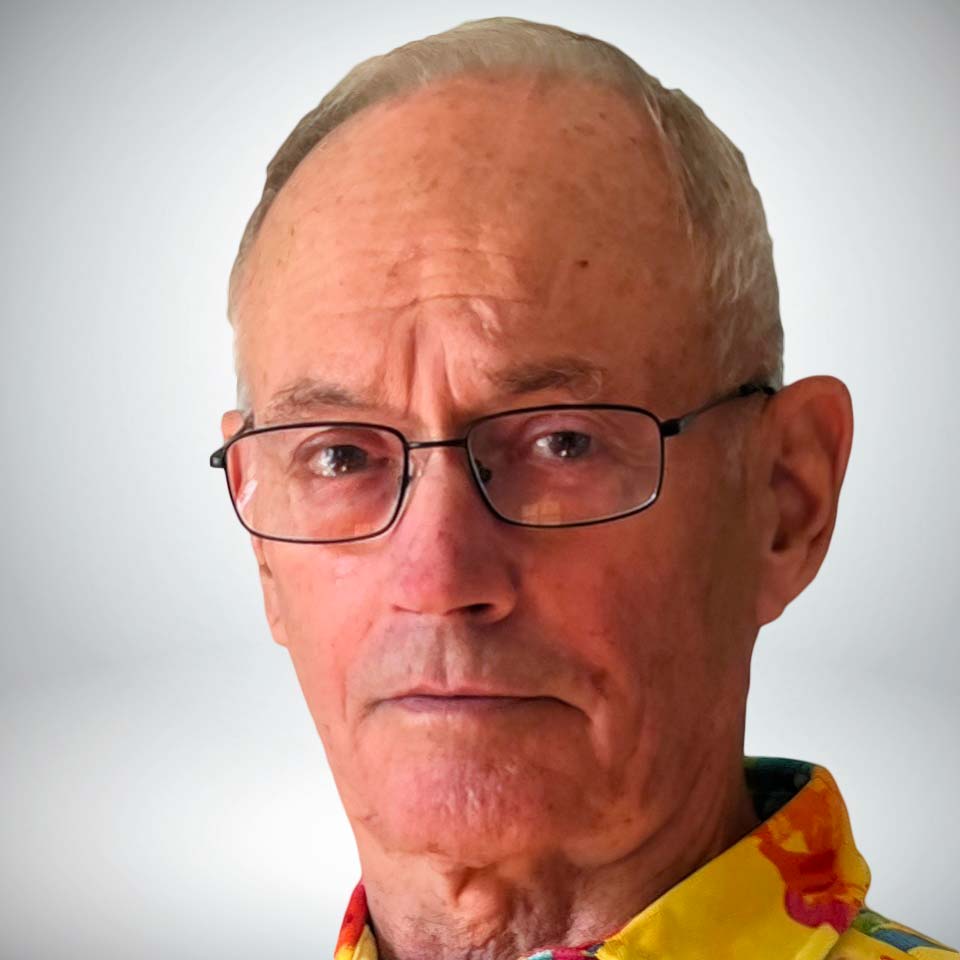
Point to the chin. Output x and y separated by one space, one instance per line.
472 808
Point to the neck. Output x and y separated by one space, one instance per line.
421 907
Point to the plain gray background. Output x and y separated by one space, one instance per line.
165 794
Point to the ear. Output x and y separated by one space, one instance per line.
805 445
230 423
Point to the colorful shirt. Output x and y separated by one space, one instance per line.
791 889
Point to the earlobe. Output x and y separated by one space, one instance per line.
808 442
271 603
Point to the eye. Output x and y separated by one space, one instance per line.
336 460
566 444
340 451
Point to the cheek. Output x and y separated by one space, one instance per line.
609 595
326 600
635 599
617 581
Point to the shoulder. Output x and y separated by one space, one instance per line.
873 936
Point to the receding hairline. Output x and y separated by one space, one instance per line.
442 86
722 209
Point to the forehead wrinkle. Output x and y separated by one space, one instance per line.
585 379
471 300
435 241
473 217
465 271
447 273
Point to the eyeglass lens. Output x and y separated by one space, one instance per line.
544 468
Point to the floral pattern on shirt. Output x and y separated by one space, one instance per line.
791 889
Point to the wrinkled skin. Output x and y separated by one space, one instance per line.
428 245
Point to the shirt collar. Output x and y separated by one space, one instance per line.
785 891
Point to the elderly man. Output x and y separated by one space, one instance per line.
523 484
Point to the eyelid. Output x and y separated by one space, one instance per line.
545 418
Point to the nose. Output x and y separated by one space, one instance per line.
448 553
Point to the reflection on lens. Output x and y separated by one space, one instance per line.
332 482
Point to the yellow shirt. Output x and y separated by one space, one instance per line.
791 889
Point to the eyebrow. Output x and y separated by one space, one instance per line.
576 375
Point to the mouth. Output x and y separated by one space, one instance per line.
470 703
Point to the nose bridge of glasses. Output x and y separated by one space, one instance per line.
417 465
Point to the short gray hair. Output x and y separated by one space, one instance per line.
723 212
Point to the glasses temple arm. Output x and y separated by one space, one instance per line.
670 428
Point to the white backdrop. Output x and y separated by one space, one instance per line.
165 794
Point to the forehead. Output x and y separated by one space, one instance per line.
481 222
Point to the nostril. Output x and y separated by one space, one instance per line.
478 609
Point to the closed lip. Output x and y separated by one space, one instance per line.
466 692
469 703
463 695
459 699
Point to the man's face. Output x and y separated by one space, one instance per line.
430 257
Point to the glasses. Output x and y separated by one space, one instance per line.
561 465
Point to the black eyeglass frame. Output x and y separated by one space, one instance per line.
667 428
